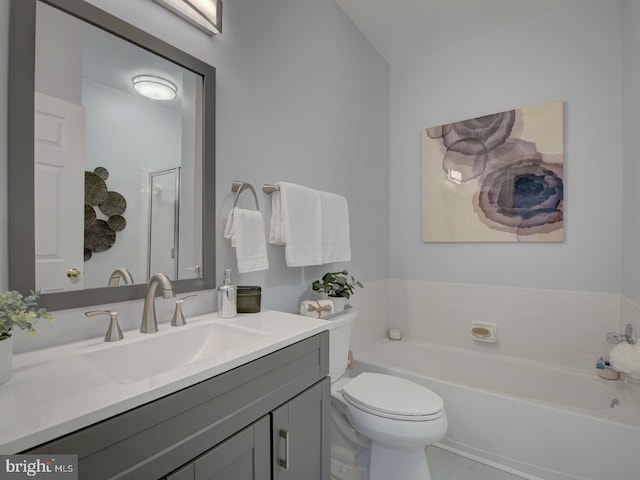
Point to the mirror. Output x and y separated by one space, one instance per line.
114 178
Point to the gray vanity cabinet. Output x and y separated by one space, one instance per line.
290 443
245 456
299 433
224 428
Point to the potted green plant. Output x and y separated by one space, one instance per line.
16 311
337 287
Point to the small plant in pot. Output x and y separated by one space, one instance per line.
16 311
337 287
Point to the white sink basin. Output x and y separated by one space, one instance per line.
146 355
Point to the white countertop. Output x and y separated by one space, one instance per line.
56 391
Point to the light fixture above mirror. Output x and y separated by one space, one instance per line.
203 14
154 87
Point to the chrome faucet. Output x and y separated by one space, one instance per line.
605 369
118 274
628 336
149 321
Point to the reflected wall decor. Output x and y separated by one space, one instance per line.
495 178
100 234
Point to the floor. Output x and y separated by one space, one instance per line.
444 465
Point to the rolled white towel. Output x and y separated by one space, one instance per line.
316 308
625 357
245 229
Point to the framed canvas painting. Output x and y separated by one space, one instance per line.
495 178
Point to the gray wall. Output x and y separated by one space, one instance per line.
301 97
571 54
630 14
4 69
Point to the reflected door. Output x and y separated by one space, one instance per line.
59 194
164 213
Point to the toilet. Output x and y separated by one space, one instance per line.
391 417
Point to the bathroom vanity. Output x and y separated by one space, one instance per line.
258 411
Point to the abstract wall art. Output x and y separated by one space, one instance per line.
100 234
495 178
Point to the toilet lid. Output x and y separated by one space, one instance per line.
392 397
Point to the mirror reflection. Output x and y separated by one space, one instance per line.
118 160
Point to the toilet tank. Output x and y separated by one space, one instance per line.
339 337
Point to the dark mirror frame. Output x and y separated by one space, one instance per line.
21 231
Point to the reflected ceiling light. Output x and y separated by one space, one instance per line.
155 88
204 14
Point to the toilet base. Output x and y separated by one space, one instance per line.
344 465
392 463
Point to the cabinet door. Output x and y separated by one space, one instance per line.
245 456
301 435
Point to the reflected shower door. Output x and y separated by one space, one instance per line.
164 214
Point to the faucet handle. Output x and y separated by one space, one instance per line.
178 317
628 336
614 337
113 332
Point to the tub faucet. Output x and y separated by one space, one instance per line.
628 336
149 321
118 274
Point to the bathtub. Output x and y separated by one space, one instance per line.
531 419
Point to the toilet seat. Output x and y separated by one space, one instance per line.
392 397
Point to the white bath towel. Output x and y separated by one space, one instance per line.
296 222
245 229
336 243
276 225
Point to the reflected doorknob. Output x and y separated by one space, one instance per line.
73 273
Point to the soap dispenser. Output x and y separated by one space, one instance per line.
227 297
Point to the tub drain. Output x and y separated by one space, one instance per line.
614 403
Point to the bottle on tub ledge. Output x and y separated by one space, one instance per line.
227 296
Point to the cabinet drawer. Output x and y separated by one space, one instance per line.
245 456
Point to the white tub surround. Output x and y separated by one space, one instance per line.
560 327
58 390
534 419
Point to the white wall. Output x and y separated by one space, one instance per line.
307 105
302 97
552 302
58 55
291 107
123 133
571 54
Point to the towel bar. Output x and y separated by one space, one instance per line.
269 189
238 187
